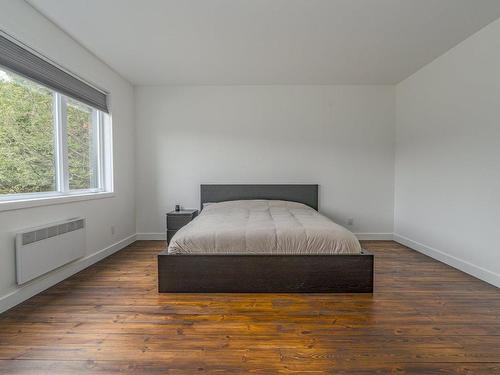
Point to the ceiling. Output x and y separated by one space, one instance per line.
154 42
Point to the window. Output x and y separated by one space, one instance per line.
50 143
83 145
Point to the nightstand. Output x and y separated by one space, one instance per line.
177 219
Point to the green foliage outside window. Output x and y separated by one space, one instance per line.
80 165
26 137
27 151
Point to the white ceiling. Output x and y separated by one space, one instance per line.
268 41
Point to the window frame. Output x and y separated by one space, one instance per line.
102 143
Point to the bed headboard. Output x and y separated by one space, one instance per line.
306 194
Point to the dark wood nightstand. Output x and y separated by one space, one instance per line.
177 219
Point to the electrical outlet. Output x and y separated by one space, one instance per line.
112 230
350 221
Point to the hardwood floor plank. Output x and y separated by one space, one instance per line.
423 318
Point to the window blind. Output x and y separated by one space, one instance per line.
26 63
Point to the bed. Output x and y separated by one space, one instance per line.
263 238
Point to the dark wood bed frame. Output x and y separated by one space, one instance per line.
341 273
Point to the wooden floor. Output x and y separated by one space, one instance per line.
424 318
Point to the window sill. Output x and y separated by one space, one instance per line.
20 204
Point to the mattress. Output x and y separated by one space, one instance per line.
262 227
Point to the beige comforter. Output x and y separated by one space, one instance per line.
262 227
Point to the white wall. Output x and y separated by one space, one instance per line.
23 22
447 178
341 137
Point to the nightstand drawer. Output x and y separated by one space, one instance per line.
170 234
177 221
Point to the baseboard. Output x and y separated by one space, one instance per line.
360 236
44 282
151 236
463 265
374 236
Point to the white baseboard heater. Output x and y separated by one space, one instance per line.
42 249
